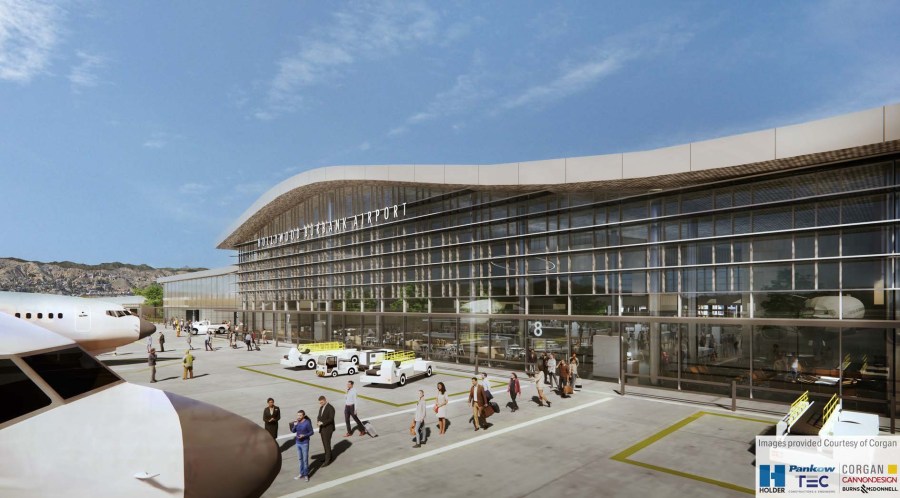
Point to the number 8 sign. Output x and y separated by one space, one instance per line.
538 329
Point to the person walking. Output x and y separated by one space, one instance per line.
440 404
532 362
162 343
177 328
477 402
551 370
542 364
350 411
151 360
421 410
208 343
486 384
271 416
514 390
325 422
563 382
539 385
149 343
188 363
189 334
302 427
573 369
247 340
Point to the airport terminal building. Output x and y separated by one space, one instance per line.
767 258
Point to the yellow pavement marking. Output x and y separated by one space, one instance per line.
624 456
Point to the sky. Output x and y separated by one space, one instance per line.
139 131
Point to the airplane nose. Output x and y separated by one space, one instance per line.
224 454
147 328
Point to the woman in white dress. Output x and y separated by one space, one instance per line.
440 405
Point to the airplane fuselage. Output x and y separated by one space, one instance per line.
96 325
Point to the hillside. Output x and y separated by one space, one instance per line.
73 279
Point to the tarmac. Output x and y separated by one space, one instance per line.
596 442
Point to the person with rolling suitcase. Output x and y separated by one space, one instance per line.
477 402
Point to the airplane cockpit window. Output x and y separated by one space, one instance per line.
71 371
20 394
111 313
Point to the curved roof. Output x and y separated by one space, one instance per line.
848 136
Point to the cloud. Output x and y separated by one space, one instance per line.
159 140
605 60
29 31
193 188
83 74
465 94
367 32
155 143
468 91
396 132
571 81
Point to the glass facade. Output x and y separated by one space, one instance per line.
195 297
782 282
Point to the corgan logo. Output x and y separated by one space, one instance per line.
771 475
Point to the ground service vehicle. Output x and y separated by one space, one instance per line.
369 359
206 327
397 367
305 355
332 366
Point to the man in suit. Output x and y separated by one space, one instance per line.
271 416
477 402
325 421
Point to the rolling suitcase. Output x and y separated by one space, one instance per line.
495 406
370 429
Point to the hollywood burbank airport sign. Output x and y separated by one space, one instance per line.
347 224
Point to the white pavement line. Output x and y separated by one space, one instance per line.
376 417
422 456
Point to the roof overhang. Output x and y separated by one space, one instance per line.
847 137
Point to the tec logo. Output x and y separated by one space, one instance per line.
807 481
771 478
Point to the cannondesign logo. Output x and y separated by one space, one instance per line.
771 478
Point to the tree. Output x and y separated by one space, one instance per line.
153 294
413 305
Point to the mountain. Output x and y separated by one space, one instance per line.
74 279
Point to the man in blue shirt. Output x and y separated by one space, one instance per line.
303 428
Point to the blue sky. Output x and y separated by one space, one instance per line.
138 131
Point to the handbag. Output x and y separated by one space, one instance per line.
412 428
435 408
568 389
